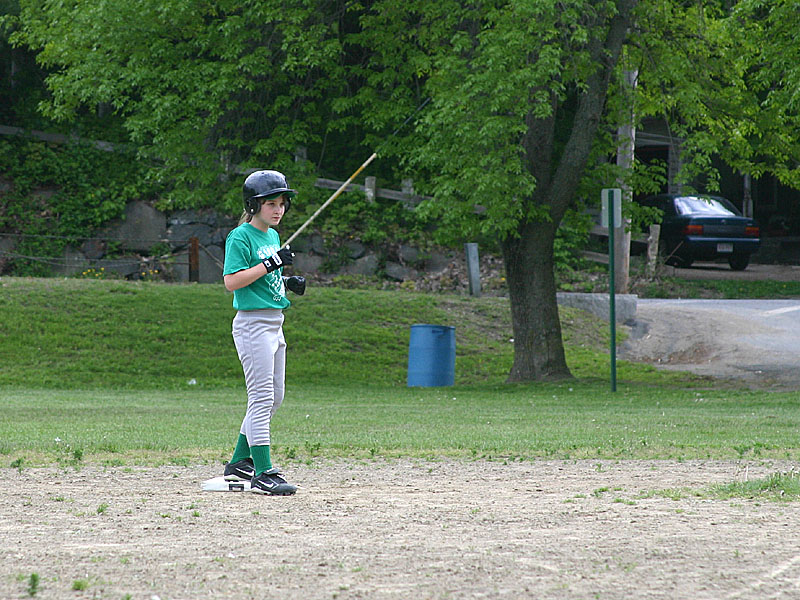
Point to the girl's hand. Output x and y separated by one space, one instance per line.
281 258
296 284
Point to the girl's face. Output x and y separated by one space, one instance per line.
272 210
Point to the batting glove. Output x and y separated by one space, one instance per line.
281 258
296 284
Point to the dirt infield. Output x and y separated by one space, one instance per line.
405 529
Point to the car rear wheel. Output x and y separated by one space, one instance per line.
739 262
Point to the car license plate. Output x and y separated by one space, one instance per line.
725 247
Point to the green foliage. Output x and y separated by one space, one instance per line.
203 90
61 193
470 145
764 136
351 216
33 584
505 80
782 487
22 83
570 239
202 87
724 78
525 102
670 287
371 221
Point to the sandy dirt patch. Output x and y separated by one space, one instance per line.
405 529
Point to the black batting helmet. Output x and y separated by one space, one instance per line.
265 184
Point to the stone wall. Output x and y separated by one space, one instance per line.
146 240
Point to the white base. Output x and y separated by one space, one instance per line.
218 484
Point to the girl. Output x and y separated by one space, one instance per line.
253 271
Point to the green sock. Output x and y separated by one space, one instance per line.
261 458
242 449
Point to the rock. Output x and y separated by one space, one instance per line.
301 244
141 228
355 249
399 272
178 235
366 265
127 266
437 262
306 263
187 217
599 305
408 254
317 244
209 270
219 235
94 248
211 259
7 245
73 262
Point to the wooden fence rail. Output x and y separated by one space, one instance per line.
406 195
651 240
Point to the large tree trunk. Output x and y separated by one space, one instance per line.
538 348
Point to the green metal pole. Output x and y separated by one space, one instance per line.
611 293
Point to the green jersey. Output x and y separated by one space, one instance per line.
245 247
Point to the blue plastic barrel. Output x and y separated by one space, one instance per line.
431 356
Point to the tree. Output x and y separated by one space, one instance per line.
524 101
519 94
764 135
204 88
526 97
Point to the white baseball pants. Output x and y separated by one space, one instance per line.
258 336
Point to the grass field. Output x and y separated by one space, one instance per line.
117 372
117 400
469 422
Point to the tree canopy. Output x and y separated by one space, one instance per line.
526 97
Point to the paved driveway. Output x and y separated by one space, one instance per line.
754 341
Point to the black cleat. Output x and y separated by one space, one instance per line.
271 483
242 470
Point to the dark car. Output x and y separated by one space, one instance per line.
704 228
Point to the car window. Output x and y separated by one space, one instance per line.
686 205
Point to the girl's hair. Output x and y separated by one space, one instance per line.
245 218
